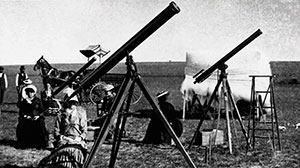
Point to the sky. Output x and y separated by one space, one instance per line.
58 29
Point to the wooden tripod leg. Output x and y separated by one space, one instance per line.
238 114
205 112
116 106
225 91
116 141
163 119
119 130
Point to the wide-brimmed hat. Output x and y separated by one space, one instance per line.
108 87
27 81
162 94
30 88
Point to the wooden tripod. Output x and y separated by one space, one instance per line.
125 90
227 94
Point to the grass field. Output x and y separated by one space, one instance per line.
136 154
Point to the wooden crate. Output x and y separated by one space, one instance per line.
91 131
203 137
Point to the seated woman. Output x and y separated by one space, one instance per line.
31 130
156 132
70 131
71 125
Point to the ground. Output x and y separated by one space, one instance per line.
135 154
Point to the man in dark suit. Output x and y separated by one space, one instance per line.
3 86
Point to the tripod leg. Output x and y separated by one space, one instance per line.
119 131
116 106
116 141
224 88
205 112
238 114
163 119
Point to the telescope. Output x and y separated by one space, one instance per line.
202 75
130 45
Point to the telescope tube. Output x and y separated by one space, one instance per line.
130 45
200 78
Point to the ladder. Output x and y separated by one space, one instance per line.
263 121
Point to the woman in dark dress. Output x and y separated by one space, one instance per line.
156 132
31 129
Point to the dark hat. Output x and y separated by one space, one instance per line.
162 94
1 68
27 90
22 67
30 88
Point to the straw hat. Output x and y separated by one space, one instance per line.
28 88
27 81
162 94
109 87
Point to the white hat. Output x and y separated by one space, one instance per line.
27 81
24 95
74 98
161 94
109 87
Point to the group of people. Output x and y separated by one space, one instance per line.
21 80
71 122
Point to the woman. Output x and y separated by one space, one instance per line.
31 129
156 132
71 125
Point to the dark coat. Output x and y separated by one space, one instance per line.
31 132
156 132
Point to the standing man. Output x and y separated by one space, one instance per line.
3 86
20 78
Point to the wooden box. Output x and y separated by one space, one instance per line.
204 135
91 132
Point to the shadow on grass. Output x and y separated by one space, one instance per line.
8 142
15 166
9 111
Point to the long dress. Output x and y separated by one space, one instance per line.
156 132
70 126
31 129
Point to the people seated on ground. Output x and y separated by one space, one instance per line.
156 132
71 125
104 109
51 105
31 129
